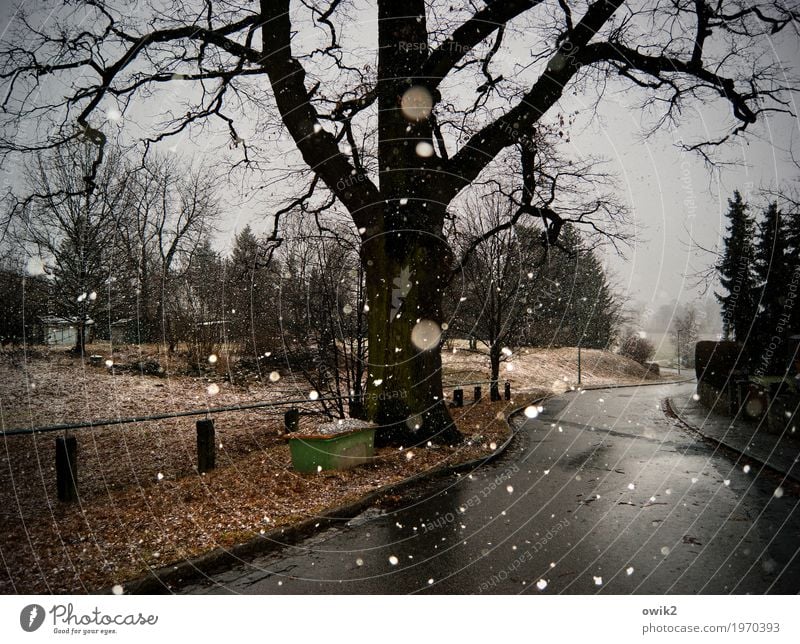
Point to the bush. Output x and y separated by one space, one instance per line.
637 348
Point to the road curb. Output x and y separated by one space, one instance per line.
163 580
639 384
727 448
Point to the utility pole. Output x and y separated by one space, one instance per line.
678 342
579 363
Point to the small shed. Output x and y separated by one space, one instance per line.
61 331
123 331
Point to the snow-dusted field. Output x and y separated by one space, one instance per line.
142 501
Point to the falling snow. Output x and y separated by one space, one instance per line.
416 103
424 149
425 335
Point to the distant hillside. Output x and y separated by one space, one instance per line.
552 369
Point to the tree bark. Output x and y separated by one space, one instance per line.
494 359
404 395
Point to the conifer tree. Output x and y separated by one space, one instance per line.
772 274
736 272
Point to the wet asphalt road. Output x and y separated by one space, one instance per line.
602 493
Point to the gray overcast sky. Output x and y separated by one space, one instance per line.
674 197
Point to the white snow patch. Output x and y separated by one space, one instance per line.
531 411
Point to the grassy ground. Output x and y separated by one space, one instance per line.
144 505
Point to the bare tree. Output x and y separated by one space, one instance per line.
493 291
323 314
171 210
684 333
394 137
72 232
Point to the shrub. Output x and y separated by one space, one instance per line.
637 348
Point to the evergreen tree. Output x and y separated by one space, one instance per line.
736 272
792 227
576 305
773 273
252 290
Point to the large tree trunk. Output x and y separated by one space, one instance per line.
404 294
404 255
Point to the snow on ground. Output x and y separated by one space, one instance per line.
143 503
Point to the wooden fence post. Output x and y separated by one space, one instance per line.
206 449
67 468
291 420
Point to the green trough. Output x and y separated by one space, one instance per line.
335 446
